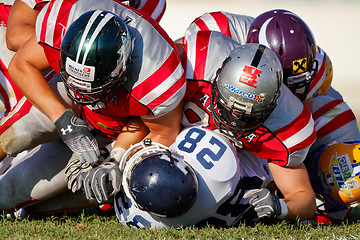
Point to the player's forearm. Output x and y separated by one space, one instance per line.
166 128
133 132
37 90
294 184
301 205
26 69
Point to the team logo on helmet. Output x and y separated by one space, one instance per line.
340 170
80 71
299 66
257 97
250 75
336 173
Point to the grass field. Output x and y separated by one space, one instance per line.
101 227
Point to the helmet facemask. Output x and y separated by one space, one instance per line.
245 90
83 93
299 84
232 119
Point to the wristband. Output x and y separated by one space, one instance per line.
284 209
117 153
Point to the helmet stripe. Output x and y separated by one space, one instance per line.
96 32
86 31
98 29
262 33
258 55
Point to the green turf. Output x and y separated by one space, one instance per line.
101 227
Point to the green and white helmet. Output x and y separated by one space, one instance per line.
94 53
246 89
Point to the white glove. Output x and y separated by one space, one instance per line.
266 204
100 182
76 135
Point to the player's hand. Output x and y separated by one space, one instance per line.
76 135
100 182
72 171
265 203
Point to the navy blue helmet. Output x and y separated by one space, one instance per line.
159 181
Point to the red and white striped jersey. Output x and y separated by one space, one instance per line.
155 8
334 121
232 25
237 26
155 78
286 135
5 7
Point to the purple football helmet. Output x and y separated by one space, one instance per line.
293 42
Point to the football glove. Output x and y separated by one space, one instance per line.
265 203
100 182
72 171
76 135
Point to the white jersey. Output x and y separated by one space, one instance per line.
223 178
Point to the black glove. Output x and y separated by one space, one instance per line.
76 135
265 203
100 182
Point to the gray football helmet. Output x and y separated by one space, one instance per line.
246 89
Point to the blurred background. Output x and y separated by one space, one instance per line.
334 23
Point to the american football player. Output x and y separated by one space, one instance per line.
231 93
198 180
338 122
152 102
190 184
15 134
335 149
243 28
104 92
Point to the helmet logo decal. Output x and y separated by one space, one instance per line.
87 70
80 71
341 169
299 66
250 75
259 98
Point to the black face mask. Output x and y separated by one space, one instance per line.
231 122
